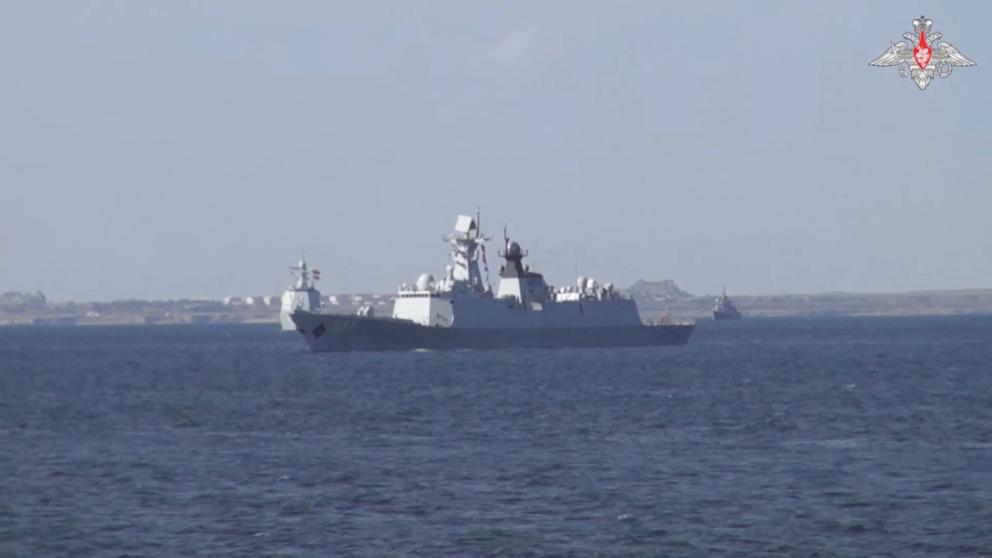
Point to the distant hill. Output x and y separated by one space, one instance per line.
665 289
19 302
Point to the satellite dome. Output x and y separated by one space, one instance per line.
303 263
581 283
425 281
513 249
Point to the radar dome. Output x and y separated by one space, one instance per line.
513 249
581 282
425 281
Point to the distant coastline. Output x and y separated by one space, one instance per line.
913 303
666 297
654 299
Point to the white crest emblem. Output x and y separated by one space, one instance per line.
918 59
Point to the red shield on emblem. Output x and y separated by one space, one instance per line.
922 52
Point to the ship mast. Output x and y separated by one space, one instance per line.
302 274
467 243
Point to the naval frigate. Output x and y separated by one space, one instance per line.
461 310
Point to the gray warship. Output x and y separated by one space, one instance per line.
724 309
461 310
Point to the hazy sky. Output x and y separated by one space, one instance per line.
177 149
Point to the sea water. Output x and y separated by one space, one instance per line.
790 437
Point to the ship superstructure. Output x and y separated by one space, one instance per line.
461 310
428 301
301 295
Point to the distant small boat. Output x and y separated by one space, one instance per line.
723 309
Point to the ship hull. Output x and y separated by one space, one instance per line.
337 333
285 322
297 299
726 315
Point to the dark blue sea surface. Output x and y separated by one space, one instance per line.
787 437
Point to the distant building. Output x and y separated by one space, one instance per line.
233 301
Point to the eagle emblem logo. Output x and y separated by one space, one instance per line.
922 55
